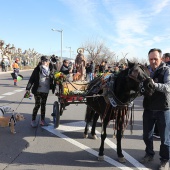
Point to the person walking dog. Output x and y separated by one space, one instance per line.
40 82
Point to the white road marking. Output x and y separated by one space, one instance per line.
75 126
19 90
8 94
84 147
11 93
127 156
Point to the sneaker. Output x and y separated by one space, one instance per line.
146 158
33 123
164 165
43 123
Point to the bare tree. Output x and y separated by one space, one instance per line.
137 60
108 55
97 51
93 48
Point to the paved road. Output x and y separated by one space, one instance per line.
63 148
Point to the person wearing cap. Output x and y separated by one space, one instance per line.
15 67
40 82
109 70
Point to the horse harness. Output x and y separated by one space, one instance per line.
14 120
111 100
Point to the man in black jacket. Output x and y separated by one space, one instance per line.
166 59
157 109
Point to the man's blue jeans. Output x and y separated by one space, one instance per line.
163 122
91 76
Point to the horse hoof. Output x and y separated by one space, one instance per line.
94 137
122 159
85 136
100 158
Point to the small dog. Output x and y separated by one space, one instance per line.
76 76
10 120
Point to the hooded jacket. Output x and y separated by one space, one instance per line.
160 100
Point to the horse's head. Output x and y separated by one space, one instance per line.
140 74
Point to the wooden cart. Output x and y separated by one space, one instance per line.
68 93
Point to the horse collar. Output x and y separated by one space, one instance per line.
114 101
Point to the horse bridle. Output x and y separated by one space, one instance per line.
142 89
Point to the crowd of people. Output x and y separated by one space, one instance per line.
156 114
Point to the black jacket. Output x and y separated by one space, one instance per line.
33 82
159 100
64 69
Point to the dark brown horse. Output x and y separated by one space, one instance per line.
114 96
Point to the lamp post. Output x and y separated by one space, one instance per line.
70 51
61 31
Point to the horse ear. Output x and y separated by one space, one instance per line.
130 64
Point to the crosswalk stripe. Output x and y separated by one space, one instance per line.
8 93
75 126
11 93
85 148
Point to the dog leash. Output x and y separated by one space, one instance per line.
26 95
19 103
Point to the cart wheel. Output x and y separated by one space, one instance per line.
56 115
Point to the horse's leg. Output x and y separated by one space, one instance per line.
86 130
119 147
88 118
103 137
95 118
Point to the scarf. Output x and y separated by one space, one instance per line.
45 71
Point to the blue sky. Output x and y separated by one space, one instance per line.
126 26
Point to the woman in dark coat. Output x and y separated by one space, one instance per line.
40 82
